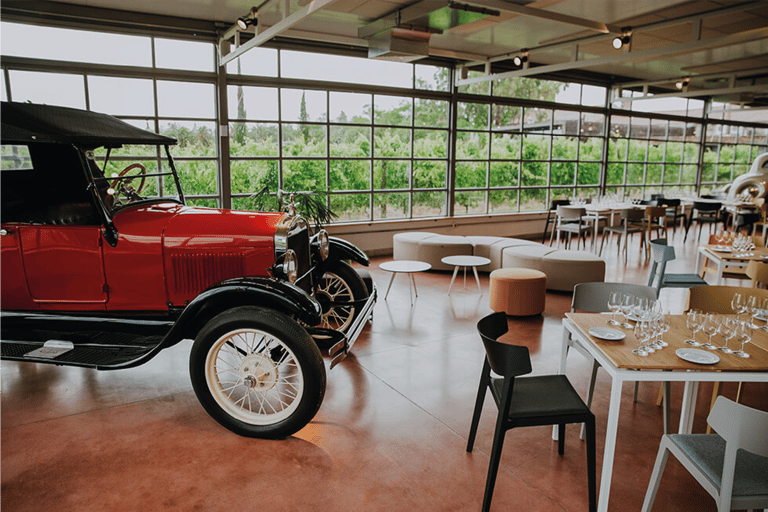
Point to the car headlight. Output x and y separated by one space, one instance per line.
291 265
324 243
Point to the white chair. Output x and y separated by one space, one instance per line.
572 220
731 465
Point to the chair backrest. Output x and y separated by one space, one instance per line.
504 359
707 206
717 298
757 271
744 426
670 203
593 297
661 253
559 202
655 212
632 213
570 212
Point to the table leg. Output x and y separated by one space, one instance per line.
688 407
415 291
477 279
465 278
610 445
720 269
455 271
390 284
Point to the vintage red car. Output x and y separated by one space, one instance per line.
106 271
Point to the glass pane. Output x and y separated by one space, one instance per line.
504 146
637 151
3 91
15 158
563 173
672 173
588 173
195 139
390 206
257 103
658 129
674 152
391 174
250 176
350 141
469 203
204 203
256 61
533 174
504 174
564 148
75 45
536 147
470 174
591 148
472 145
653 173
350 175
593 96
528 88
640 128
351 207
472 115
538 120
253 139
304 175
121 96
430 143
392 142
635 173
691 153
187 55
299 105
476 88
429 174
347 107
615 174
533 200
392 110
429 204
304 140
431 113
36 88
186 99
503 201
197 177
432 78
506 118
339 68
619 126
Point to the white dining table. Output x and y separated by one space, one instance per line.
664 366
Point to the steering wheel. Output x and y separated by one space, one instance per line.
132 193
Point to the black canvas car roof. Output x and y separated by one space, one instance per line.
29 123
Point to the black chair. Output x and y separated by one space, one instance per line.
526 401
704 212
550 220
674 213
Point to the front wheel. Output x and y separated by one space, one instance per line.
339 287
257 372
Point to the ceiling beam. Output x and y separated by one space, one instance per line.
604 28
762 89
687 47
400 17
703 76
278 28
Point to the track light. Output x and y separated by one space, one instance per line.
244 22
619 41
680 84
521 59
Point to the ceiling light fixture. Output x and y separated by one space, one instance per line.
521 59
619 41
244 22
680 84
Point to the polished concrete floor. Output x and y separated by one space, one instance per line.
390 435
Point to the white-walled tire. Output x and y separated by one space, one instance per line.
257 372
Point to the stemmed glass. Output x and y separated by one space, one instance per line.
642 333
738 303
711 326
743 335
695 322
727 331
665 322
756 306
627 302
614 306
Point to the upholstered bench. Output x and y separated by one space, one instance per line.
518 291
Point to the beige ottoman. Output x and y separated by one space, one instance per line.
518 291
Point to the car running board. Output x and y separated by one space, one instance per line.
88 355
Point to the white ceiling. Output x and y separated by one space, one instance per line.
721 46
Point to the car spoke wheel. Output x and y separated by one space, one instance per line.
340 284
257 372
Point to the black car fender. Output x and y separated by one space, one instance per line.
340 249
243 291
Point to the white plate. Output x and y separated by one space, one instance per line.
721 248
606 333
693 355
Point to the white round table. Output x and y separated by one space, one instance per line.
463 261
407 267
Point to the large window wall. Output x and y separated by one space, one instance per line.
382 140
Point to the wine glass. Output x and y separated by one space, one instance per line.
694 322
627 302
727 331
755 307
642 333
711 326
738 303
743 335
614 306
665 321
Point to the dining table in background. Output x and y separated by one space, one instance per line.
725 257
662 366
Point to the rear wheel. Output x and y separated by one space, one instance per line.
338 288
257 372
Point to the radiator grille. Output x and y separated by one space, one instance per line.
194 272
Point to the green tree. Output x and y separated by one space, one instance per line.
304 117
